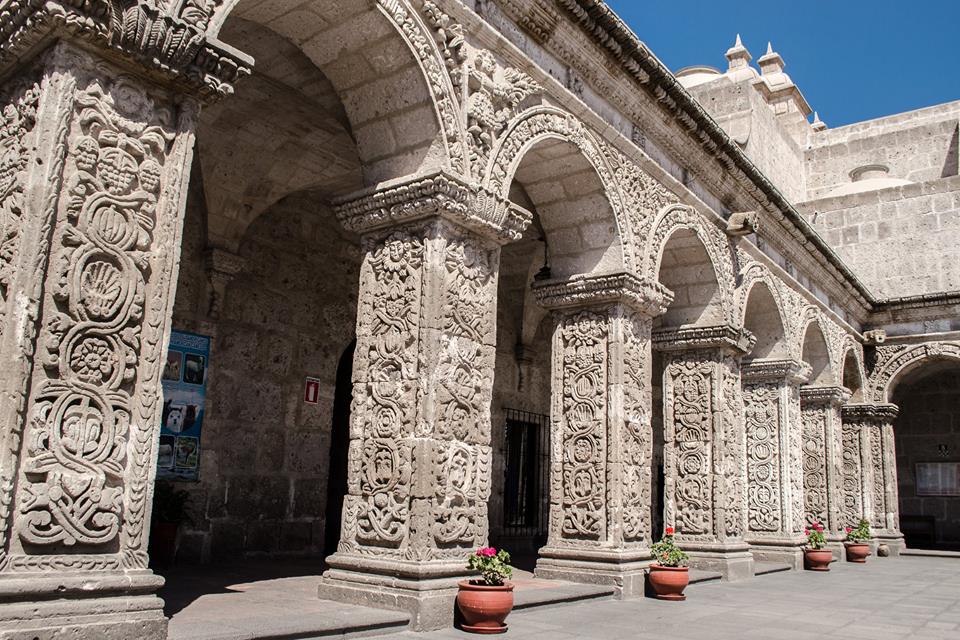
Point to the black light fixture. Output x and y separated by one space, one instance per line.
544 272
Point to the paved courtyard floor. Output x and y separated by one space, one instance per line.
908 597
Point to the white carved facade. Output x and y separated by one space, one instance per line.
694 319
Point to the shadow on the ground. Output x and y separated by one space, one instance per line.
185 584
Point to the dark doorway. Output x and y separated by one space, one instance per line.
339 445
526 503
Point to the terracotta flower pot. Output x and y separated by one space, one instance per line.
484 607
857 551
818 559
668 583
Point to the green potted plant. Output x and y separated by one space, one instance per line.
486 601
856 546
816 555
170 509
669 575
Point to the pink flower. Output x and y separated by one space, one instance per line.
819 527
806 532
849 529
486 552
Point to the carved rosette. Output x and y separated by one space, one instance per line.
93 409
600 465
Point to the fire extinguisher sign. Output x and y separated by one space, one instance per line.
311 391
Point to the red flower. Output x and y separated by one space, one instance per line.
819 527
486 552
806 532
669 531
849 529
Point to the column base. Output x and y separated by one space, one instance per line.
732 561
625 571
425 590
780 550
894 541
106 606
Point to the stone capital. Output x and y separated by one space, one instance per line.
824 395
870 413
641 295
176 51
440 194
775 370
725 337
222 267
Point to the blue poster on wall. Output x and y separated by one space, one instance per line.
184 397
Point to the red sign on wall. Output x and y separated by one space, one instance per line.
311 391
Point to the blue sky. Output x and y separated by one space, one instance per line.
852 59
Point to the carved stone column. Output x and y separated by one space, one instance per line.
420 455
222 267
775 513
869 457
601 443
93 170
705 445
825 493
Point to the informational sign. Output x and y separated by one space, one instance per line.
938 478
184 398
311 391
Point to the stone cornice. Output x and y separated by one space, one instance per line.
649 298
726 337
173 48
873 413
439 194
824 395
775 370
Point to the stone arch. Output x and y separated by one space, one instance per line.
815 351
760 312
852 373
686 269
885 376
540 127
378 62
675 218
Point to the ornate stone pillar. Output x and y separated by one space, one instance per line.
775 509
825 494
420 455
601 443
870 465
705 445
94 161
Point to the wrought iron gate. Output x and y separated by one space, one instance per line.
526 500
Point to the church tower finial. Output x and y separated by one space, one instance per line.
771 62
737 56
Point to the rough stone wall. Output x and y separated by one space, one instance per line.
917 146
929 417
913 228
289 314
747 117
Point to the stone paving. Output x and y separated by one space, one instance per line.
908 597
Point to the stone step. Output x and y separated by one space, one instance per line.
698 576
763 568
529 596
